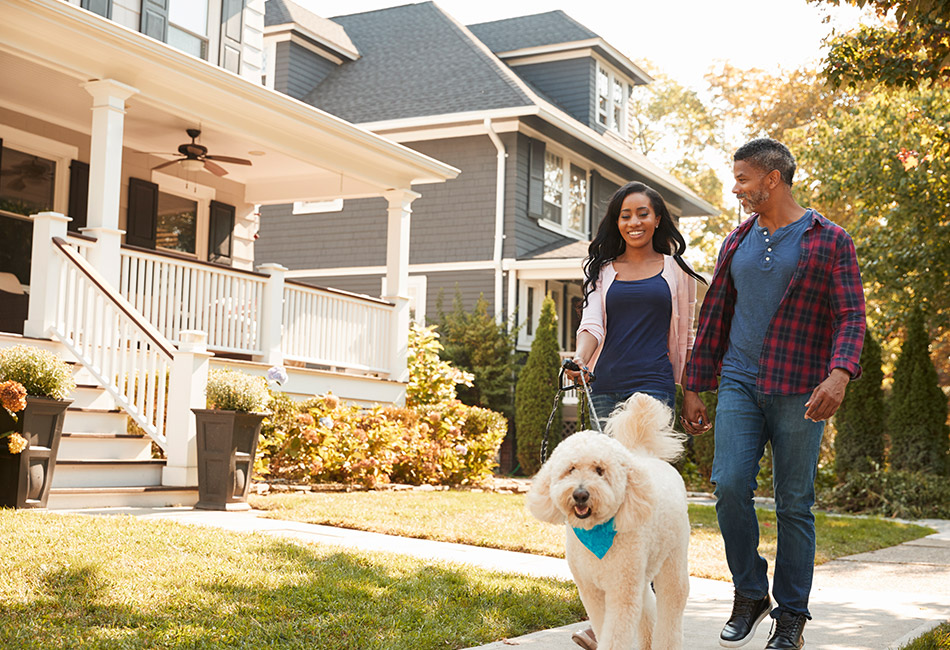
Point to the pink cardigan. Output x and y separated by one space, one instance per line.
683 293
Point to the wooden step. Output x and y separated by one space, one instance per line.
104 446
100 473
151 496
95 420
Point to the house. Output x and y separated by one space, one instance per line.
533 110
139 148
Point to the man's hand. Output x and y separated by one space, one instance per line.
826 398
694 418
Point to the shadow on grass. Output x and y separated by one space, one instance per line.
303 598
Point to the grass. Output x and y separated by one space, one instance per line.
69 581
501 521
937 639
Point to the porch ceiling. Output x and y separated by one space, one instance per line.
48 48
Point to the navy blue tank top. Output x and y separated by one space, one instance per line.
636 354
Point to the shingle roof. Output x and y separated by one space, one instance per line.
282 12
565 248
416 61
531 31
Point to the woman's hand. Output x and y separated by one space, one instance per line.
694 418
575 375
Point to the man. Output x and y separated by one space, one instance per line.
782 326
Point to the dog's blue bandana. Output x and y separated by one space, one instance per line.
598 539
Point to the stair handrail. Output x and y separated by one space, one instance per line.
143 396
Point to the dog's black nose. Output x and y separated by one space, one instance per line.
581 495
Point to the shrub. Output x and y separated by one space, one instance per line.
910 495
917 422
39 371
231 390
431 379
535 392
861 419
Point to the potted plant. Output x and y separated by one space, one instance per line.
34 385
227 436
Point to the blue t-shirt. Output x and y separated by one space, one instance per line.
636 353
761 270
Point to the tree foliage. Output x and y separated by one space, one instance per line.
431 379
917 422
908 50
860 422
474 342
535 392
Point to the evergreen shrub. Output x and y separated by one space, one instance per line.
909 495
861 420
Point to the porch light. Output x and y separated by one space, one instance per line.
192 165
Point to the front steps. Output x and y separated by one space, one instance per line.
99 464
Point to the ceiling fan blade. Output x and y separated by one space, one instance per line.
217 170
229 159
166 164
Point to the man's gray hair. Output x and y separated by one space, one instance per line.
768 154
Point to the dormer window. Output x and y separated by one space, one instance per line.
611 99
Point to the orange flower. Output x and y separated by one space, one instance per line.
16 443
12 396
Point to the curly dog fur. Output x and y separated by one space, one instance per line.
591 478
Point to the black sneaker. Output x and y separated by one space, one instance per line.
746 616
787 632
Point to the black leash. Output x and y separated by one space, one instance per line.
561 389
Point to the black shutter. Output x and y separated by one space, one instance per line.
155 19
143 213
101 7
601 190
220 232
232 28
535 178
78 194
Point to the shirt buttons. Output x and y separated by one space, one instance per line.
769 249
767 258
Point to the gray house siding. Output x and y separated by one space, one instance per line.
568 83
297 70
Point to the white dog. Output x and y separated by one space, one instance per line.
625 478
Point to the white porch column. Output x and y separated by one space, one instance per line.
105 173
45 268
397 277
186 390
273 311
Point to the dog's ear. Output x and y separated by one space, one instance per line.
539 502
638 499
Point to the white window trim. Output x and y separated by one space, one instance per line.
612 77
524 339
60 153
190 190
566 161
318 207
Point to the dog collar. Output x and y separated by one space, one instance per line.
598 539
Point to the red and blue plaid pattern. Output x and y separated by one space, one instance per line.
819 324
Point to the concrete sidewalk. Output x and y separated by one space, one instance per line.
872 601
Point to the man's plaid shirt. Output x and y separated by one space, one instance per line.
819 324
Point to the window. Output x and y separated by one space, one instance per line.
27 182
612 95
188 27
565 193
177 225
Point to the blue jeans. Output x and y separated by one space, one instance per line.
745 421
605 403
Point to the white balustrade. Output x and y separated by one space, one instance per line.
336 328
82 245
177 295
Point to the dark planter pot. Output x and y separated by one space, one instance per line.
25 478
227 442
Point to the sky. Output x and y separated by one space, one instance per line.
682 38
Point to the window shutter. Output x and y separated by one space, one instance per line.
220 232
535 178
155 19
232 29
142 214
600 192
78 194
101 7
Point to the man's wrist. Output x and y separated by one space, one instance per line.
840 374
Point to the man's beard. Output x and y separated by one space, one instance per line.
754 200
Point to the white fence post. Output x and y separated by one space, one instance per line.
45 273
272 316
186 390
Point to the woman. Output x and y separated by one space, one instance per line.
637 281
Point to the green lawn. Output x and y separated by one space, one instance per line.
501 521
70 581
936 639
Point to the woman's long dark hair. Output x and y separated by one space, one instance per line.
608 244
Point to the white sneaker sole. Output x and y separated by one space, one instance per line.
748 637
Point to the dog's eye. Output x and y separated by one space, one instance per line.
600 471
570 470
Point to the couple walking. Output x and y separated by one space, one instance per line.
779 334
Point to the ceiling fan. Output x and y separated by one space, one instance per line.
195 157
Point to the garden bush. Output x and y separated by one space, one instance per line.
861 420
910 495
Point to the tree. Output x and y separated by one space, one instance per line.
918 409
474 342
861 419
536 390
431 380
910 50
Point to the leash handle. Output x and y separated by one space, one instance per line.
570 365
